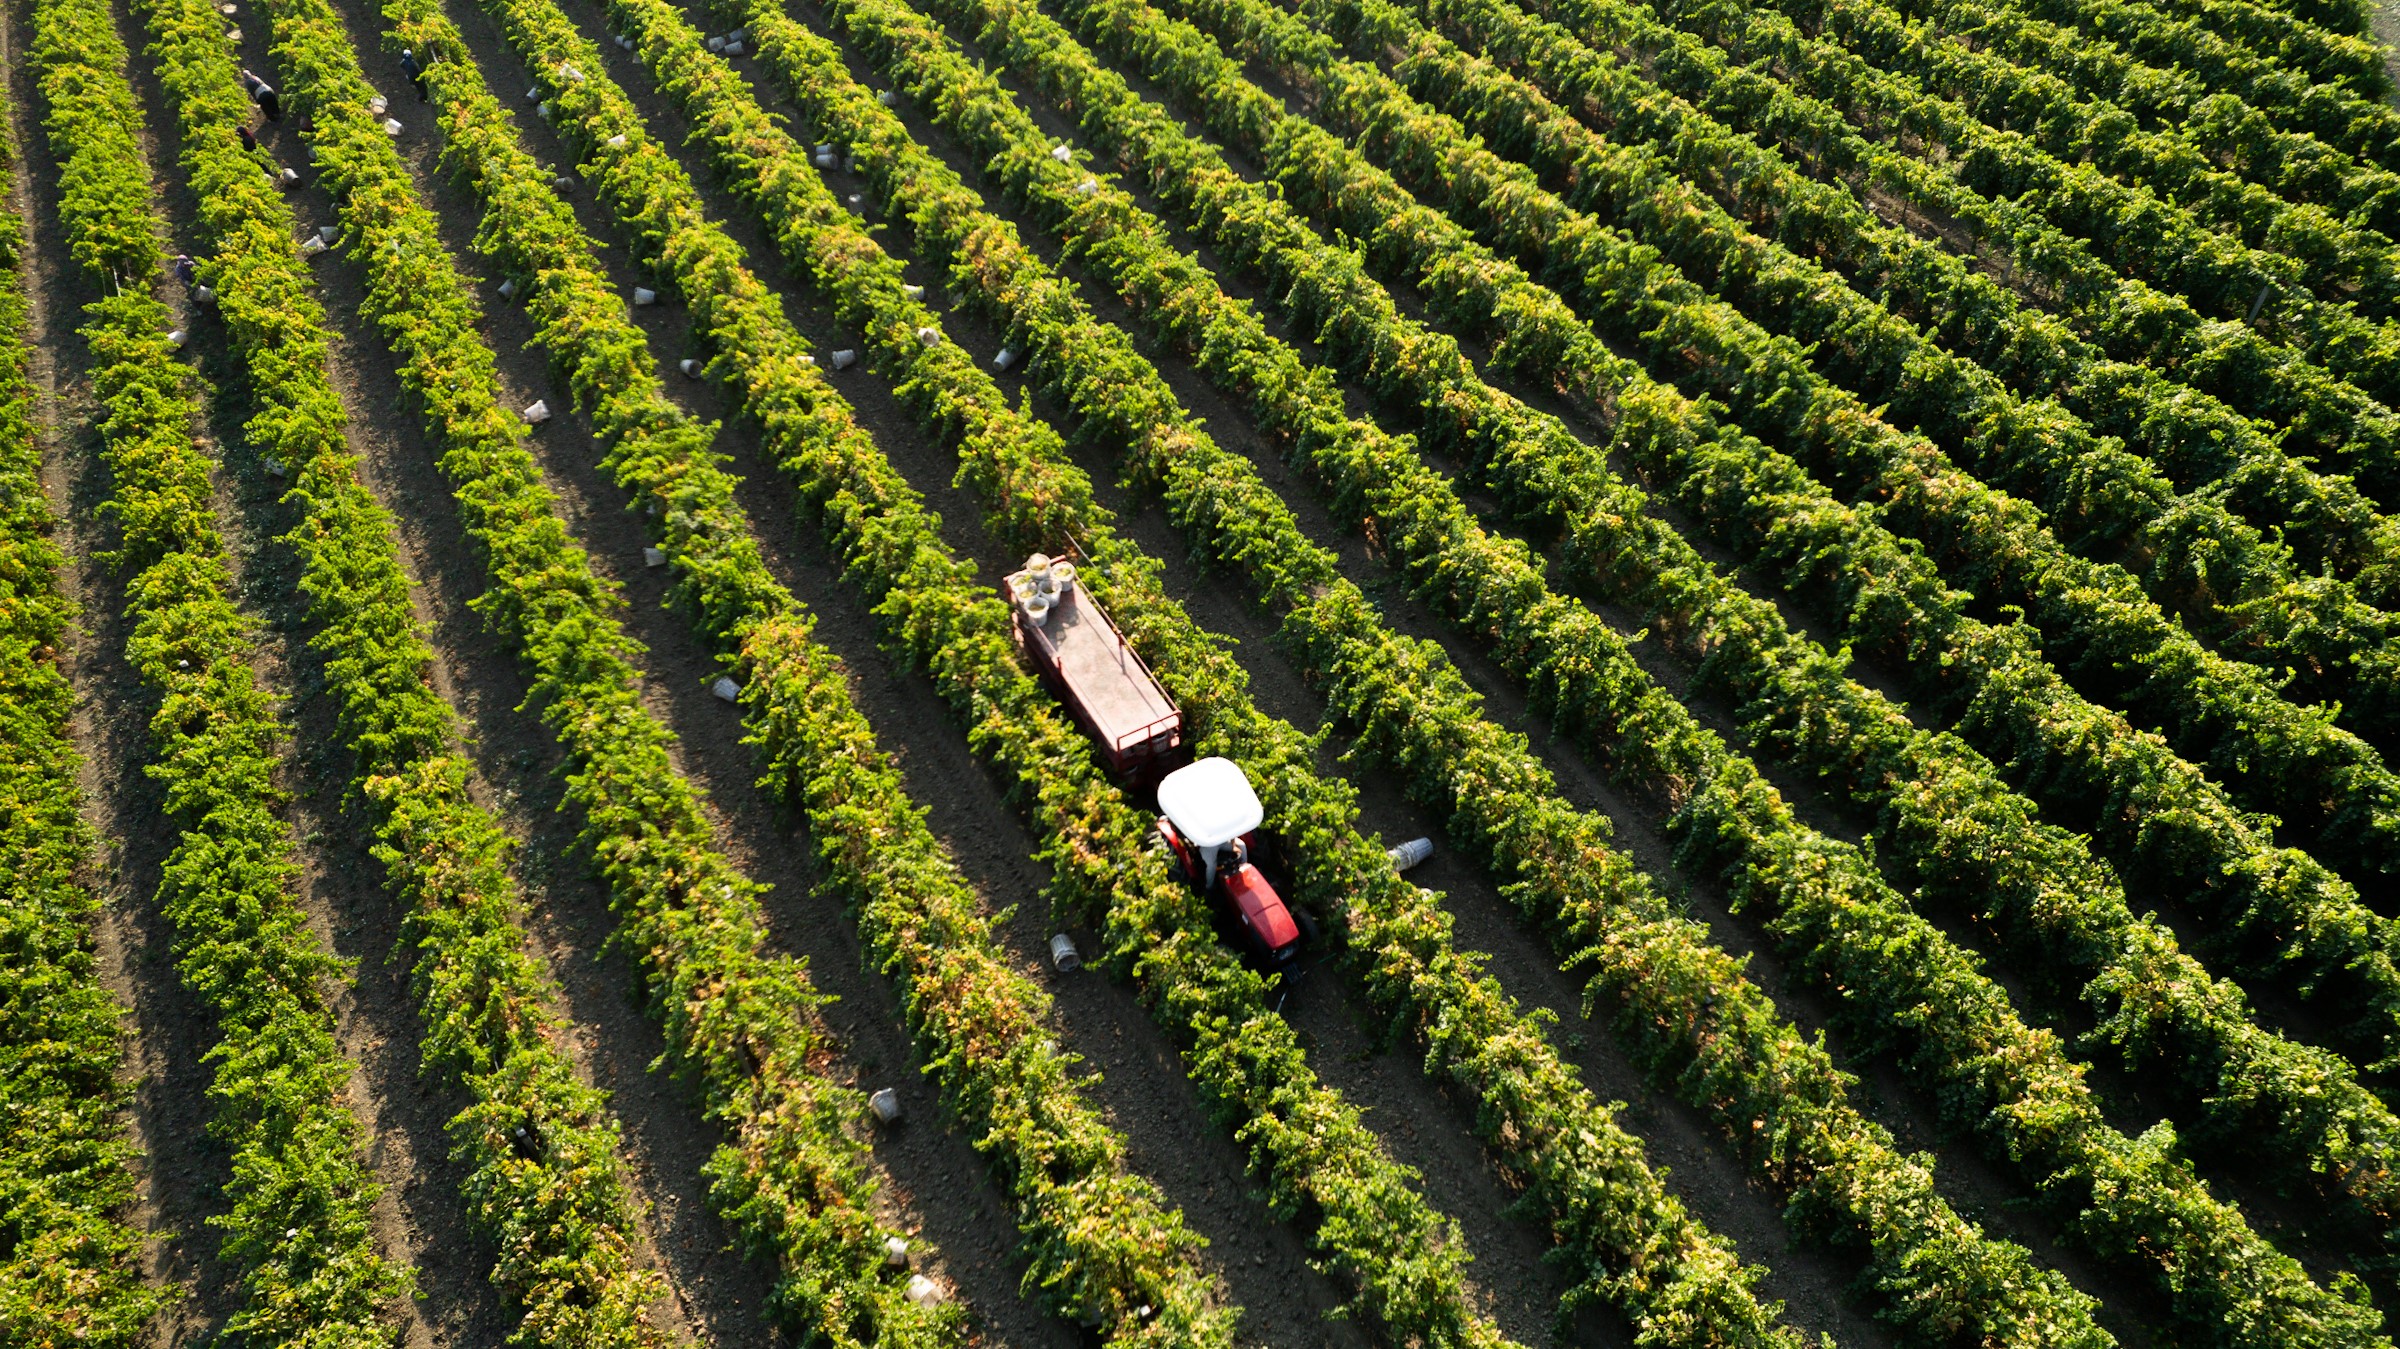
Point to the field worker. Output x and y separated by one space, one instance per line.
414 72
261 93
249 139
185 269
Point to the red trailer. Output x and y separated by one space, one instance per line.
1084 659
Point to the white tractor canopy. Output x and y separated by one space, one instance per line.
1210 803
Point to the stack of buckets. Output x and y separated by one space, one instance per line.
1042 586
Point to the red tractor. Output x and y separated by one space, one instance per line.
1209 824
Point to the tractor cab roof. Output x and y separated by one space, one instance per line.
1210 802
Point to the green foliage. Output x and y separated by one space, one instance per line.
2327 783
1100 1240
297 1226
739 1020
2233 132
1728 817
71 1273
2320 367
2196 554
2359 120
1943 813
2331 214
1405 1259
539 1148
2332 789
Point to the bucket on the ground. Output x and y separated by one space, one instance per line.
1410 853
886 1105
1063 956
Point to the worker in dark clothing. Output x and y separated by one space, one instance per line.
185 270
263 94
415 74
249 139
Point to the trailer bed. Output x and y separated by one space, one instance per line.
1109 689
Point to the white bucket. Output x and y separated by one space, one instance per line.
624 43
1037 563
726 689
844 359
533 93
931 337
913 292
738 35
690 366
617 142
391 126
884 97
1006 358
204 294
824 158
886 1105
536 412
312 245
654 557
567 70
895 1252
808 360
562 182
544 110
508 289
1062 575
736 49
275 468
716 44
377 104
291 176
1061 152
329 233
1037 608
176 337
1410 853
924 1292
1087 187
643 295
1063 956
